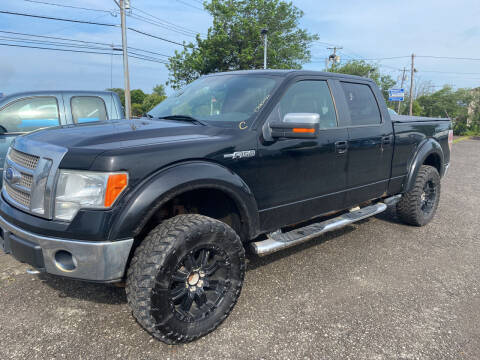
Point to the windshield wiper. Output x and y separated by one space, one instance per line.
182 118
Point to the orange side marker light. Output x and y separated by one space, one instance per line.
115 185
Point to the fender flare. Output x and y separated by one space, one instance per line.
147 197
425 149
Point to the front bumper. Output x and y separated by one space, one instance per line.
102 261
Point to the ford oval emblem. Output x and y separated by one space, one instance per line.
12 175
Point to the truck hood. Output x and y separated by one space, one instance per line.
86 142
109 135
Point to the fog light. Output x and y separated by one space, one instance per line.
65 261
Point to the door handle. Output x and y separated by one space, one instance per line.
341 147
386 140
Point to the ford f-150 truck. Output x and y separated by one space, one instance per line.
168 204
28 111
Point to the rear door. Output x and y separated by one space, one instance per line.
370 142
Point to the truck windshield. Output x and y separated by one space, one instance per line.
224 100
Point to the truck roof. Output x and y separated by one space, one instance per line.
49 92
291 72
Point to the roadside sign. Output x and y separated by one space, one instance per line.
396 94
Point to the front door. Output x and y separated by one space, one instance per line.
302 178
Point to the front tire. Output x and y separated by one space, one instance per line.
185 277
418 206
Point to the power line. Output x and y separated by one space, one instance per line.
56 49
155 36
146 20
148 51
80 41
137 56
167 22
111 12
447 57
54 38
57 19
90 23
53 43
450 72
188 4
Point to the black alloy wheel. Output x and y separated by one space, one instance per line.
199 283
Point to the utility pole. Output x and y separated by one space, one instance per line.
264 33
411 84
401 87
124 5
334 58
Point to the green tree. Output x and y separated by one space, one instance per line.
137 96
137 110
443 102
372 71
234 40
159 90
151 101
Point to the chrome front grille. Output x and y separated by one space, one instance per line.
29 175
18 196
26 181
26 160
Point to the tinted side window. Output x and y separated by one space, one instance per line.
362 104
30 114
88 109
307 97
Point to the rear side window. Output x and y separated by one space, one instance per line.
362 104
30 114
88 109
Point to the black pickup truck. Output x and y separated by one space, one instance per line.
169 203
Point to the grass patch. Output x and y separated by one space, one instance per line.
461 139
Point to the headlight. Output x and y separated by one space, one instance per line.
86 189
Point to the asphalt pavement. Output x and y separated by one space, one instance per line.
375 290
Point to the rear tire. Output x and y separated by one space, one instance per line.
185 277
418 206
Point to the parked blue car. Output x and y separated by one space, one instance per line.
21 113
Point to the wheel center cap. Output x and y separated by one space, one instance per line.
193 279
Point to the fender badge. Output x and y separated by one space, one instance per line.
242 125
240 154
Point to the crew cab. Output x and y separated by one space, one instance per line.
261 159
28 111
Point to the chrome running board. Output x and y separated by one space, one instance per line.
277 240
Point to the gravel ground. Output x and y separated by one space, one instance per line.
375 290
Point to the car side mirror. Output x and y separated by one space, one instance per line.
296 126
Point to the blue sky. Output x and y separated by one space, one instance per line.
366 29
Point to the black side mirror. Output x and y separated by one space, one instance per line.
297 126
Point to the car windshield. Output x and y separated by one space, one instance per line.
224 100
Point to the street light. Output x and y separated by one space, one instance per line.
264 33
